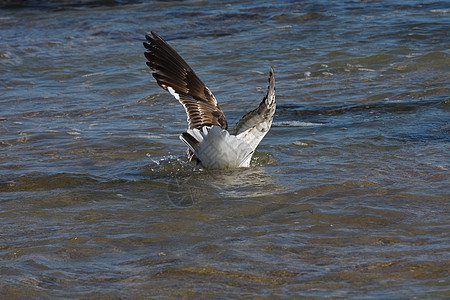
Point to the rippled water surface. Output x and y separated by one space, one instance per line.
347 195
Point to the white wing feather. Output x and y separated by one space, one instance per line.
254 125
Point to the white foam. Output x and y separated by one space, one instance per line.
440 11
366 69
300 143
93 74
73 133
284 27
295 124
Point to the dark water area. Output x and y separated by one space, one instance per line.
346 197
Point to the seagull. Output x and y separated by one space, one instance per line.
209 142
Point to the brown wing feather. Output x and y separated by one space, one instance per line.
173 74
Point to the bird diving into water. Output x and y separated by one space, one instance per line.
209 143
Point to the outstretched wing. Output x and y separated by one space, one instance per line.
255 124
174 75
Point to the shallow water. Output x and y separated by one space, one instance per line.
347 195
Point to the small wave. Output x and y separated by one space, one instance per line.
366 69
300 143
295 124
284 27
440 11
93 74
73 133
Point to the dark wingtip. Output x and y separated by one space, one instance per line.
149 64
155 35
151 38
271 77
148 56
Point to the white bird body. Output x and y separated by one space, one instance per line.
207 138
215 148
